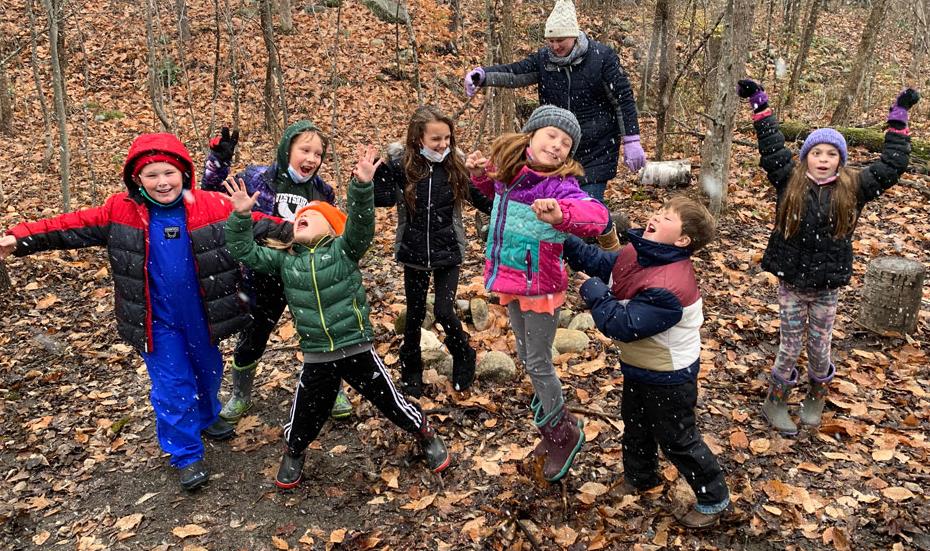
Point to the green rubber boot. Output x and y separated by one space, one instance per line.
342 407
812 406
775 408
243 378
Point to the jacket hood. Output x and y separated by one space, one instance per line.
283 157
162 142
650 253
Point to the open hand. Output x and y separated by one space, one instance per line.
7 246
475 163
548 211
239 195
368 163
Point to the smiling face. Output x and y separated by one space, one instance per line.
161 181
436 136
561 47
550 146
823 160
306 154
310 226
665 227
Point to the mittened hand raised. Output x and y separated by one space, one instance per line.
908 98
747 87
224 145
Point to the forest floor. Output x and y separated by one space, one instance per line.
80 466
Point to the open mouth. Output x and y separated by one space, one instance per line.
650 228
554 157
302 224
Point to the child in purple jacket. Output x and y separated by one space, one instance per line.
537 205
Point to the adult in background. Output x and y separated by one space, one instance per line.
583 76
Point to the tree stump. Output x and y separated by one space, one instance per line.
892 294
666 173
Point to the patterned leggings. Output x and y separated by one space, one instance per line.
815 310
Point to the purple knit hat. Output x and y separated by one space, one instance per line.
827 136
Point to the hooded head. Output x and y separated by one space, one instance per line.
152 148
283 156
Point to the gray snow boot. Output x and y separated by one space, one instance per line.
243 378
775 408
812 406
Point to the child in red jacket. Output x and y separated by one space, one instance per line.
176 286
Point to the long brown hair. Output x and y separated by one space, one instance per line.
508 155
843 202
416 167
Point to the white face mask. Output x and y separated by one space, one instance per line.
296 176
432 156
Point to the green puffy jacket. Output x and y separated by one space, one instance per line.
322 282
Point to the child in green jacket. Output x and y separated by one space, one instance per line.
324 292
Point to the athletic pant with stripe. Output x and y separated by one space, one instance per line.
316 392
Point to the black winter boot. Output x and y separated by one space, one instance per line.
411 371
437 456
219 430
290 472
193 476
463 360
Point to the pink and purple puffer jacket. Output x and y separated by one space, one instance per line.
523 255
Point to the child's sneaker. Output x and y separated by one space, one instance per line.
342 407
437 456
193 476
291 470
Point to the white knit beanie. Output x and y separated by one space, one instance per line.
562 22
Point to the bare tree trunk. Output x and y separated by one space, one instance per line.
182 60
715 152
790 16
61 114
216 68
655 39
807 37
665 12
155 87
85 140
285 16
920 43
6 103
234 64
272 75
505 100
184 23
866 47
412 40
63 60
40 92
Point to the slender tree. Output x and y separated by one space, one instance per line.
285 17
807 37
58 84
40 92
665 12
156 92
863 56
276 116
184 22
715 153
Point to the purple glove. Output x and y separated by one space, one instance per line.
473 80
898 112
633 155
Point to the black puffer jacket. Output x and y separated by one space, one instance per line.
594 87
813 258
433 236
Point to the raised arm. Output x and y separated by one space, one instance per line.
618 89
360 225
896 151
776 159
239 238
387 179
216 168
649 313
